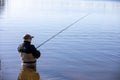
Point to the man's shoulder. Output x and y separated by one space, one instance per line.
32 46
20 45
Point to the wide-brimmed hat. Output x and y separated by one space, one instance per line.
28 36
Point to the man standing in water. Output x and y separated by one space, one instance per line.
28 53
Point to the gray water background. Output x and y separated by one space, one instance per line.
88 50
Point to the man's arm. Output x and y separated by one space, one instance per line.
35 52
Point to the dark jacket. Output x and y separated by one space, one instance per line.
28 48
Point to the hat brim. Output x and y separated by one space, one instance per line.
32 36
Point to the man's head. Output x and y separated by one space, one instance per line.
27 37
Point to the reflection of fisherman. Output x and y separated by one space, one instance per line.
28 52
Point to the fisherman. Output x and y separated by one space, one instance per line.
28 53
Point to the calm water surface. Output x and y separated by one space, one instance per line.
88 50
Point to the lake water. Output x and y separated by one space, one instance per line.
88 50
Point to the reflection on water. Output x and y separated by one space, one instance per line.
28 74
2 4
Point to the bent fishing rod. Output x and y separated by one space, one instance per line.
62 30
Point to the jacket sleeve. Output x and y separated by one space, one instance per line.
19 48
35 52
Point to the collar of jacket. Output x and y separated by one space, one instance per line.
27 42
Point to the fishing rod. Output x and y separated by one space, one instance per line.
62 30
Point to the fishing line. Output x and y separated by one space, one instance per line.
62 30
